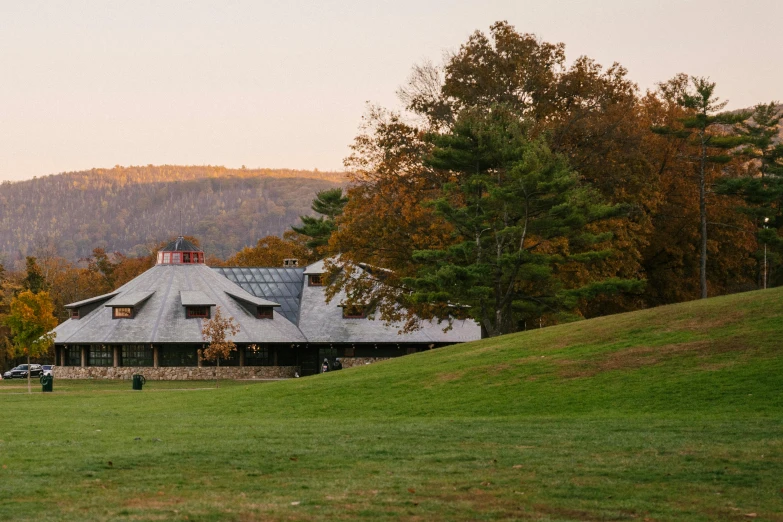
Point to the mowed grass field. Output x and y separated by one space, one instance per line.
674 413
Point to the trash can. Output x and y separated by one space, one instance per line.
138 381
47 382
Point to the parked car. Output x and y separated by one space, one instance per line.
20 372
9 374
47 369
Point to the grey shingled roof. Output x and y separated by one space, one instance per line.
280 285
323 322
161 318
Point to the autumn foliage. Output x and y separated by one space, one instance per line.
218 332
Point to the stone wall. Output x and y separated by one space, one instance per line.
180 373
350 362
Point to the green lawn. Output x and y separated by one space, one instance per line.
667 414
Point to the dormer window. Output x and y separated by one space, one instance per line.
197 312
315 280
353 312
265 312
122 312
74 313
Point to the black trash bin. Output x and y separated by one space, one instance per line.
47 383
138 381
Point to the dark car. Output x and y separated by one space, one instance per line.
20 372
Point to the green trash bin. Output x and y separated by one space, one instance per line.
47 383
138 381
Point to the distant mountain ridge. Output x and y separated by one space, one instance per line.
127 209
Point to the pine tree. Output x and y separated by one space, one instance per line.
330 204
520 217
762 185
707 148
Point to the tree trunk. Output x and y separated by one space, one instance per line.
29 385
217 374
703 221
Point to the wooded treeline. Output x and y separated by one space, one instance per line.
522 191
129 209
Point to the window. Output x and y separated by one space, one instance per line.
101 356
265 312
178 355
316 280
166 258
136 355
122 312
186 257
353 312
74 357
74 313
176 257
197 312
257 355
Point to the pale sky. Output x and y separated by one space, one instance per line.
283 84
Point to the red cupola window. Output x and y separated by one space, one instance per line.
180 252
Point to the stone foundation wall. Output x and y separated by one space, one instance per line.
180 373
350 362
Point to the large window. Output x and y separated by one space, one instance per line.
101 356
137 355
257 355
178 355
74 356
122 312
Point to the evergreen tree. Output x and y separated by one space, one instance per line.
330 204
762 185
707 147
34 281
521 221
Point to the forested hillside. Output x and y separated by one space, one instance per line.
128 209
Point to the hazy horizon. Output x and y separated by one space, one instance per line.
284 85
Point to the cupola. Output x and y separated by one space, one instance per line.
180 252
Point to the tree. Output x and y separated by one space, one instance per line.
34 281
330 204
31 319
272 250
761 186
217 331
707 145
520 217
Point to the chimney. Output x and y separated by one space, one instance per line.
290 263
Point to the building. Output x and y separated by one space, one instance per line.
152 324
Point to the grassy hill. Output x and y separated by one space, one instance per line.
128 209
673 413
